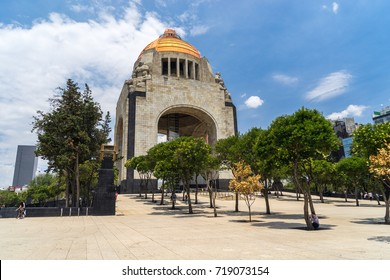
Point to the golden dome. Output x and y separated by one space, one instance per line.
171 42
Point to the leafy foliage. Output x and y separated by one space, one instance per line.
71 133
246 183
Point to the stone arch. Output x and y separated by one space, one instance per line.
187 120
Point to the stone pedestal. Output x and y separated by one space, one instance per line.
105 198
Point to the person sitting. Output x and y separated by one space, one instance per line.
314 221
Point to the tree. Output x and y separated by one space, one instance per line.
209 172
301 137
245 183
89 177
144 166
44 188
228 152
368 142
322 173
369 138
380 167
355 171
8 198
164 167
71 133
190 153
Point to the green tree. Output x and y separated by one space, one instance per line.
8 198
228 152
355 171
300 138
144 166
44 188
369 138
71 133
164 167
209 172
190 153
322 173
89 177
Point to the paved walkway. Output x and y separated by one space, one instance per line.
145 230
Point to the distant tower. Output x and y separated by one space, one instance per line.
25 165
172 92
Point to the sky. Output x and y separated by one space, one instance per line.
275 56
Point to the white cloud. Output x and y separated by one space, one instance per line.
199 30
243 95
351 111
254 102
330 86
38 59
285 79
335 7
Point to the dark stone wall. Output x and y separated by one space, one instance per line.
10 212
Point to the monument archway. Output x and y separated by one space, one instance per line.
181 120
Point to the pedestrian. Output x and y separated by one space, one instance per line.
20 211
314 221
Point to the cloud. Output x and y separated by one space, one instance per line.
36 60
199 30
351 111
284 79
254 102
335 7
330 86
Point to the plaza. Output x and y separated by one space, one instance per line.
142 230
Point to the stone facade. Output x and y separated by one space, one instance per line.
170 93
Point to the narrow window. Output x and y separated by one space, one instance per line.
173 67
182 65
196 71
190 71
164 64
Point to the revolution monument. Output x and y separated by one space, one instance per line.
172 92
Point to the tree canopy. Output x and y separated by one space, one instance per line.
71 133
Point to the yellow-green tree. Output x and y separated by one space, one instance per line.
245 183
380 167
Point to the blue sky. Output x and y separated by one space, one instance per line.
275 56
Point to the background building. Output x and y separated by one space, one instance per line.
382 116
344 129
25 165
172 92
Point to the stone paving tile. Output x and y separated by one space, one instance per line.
146 230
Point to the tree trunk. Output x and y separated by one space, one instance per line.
387 214
356 196
187 183
236 209
210 196
250 213
321 192
306 212
266 198
162 193
196 189
214 197
77 178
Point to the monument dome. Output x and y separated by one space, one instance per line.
171 42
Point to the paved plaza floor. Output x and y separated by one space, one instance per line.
143 230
